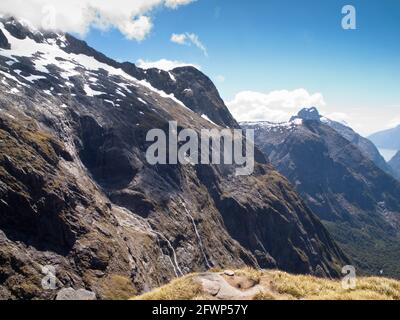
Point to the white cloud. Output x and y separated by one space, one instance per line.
276 106
178 38
196 41
128 16
163 64
136 29
189 39
176 3
339 117
393 123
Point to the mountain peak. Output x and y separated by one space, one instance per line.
311 113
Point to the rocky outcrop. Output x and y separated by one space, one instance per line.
220 286
75 295
78 194
196 91
357 201
51 217
3 41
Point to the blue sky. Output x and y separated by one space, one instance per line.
267 45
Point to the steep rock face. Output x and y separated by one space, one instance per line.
52 214
77 192
196 91
3 41
395 164
357 201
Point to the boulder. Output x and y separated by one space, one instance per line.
72 294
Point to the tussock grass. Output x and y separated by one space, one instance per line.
116 287
253 274
283 286
180 289
311 288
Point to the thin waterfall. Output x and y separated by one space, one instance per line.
197 235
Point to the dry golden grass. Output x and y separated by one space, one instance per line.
283 286
116 287
180 289
312 288
253 274
265 296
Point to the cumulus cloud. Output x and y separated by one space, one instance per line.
163 64
189 39
178 38
176 3
339 117
130 17
275 106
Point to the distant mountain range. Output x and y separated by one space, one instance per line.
339 175
363 144
387 139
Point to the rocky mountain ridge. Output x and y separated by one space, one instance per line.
357 201
77 193
363 144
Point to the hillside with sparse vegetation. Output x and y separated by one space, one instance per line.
250 284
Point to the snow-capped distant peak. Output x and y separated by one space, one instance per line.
304 114
273 126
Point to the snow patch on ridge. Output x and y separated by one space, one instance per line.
90 92
44 54
204 116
